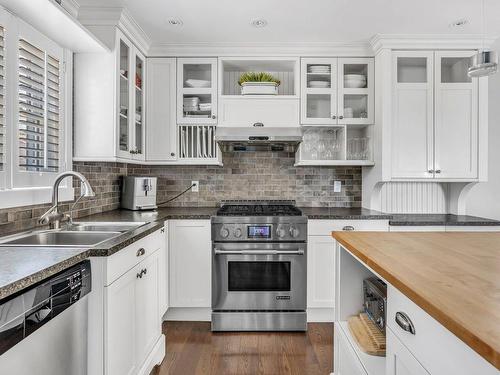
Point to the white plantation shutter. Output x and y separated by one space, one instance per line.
2 101
39 109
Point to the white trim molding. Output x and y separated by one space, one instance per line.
119 17
429 41
361 49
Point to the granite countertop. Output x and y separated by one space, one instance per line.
21 267
340 213
437 219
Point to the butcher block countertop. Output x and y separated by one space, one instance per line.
454 277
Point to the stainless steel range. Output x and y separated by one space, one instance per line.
259 267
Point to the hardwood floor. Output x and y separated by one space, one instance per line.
193 349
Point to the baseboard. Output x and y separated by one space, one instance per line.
320 315
195 314
155 357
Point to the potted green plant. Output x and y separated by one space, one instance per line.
258 83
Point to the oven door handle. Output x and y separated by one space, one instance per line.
259 252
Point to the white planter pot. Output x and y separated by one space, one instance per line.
259 88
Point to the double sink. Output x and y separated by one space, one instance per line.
88 234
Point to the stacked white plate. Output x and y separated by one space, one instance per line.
354 80
319 69
205 106
197 83
319 84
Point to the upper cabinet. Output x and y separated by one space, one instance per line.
109 107
434 117
264 106
337 91
197 91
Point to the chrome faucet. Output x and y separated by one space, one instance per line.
53 217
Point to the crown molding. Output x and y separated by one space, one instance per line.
71 6
360 49
429 41
118 17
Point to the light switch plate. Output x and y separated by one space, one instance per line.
196 187
337 186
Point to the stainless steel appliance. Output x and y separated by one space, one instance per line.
259 267
375 301
139 193
259 138
44 329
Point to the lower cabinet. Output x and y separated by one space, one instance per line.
399 360
190 263
345 359
320 275
133 324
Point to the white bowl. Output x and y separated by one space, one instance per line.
355 76
319 84
354 84
197 83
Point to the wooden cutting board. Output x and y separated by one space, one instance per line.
368 337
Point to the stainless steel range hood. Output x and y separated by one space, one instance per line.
258 138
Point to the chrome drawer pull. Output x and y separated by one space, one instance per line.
405 322
348 228
142 273
140 252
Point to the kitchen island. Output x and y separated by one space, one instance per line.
447 283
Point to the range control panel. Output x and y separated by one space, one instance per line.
272 232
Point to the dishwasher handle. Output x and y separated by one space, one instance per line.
259 252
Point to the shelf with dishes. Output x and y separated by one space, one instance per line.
335 145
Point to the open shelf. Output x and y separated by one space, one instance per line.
373 365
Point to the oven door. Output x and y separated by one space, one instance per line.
259 276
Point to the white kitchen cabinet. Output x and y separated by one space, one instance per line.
399 360
197 91
413 103
161 132
435 116
345 359
109 102
190 263
320 278
164 272
331 95
456 116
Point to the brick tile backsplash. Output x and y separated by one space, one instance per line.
245 175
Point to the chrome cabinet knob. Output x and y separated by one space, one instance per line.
341 117
334 117
214 117
438 170
172 154
348 228
431 171
141 252
258 124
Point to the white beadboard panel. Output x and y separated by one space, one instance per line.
414 198
231 86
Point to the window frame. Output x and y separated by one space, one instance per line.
21 188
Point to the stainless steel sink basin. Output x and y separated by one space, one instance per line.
104 226
54 238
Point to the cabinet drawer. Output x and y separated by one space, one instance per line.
436 348
123 260
325 227
245 112
399 359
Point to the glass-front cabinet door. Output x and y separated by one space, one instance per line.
124 51
319 91
356 91
131 100
197 91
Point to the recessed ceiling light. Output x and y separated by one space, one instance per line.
459 23
259 22
175 22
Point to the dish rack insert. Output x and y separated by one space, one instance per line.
197 142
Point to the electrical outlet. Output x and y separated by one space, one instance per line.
196 186
337 186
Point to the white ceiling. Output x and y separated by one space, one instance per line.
299 21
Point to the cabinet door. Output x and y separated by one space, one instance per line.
319 91
356 90
345 360
320 272
148 323
120 325
197 91
190 263
138 100
161 131
125 110
456 116
399 360
412 122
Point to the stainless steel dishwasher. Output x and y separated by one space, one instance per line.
44 329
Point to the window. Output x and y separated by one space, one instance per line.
34 138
